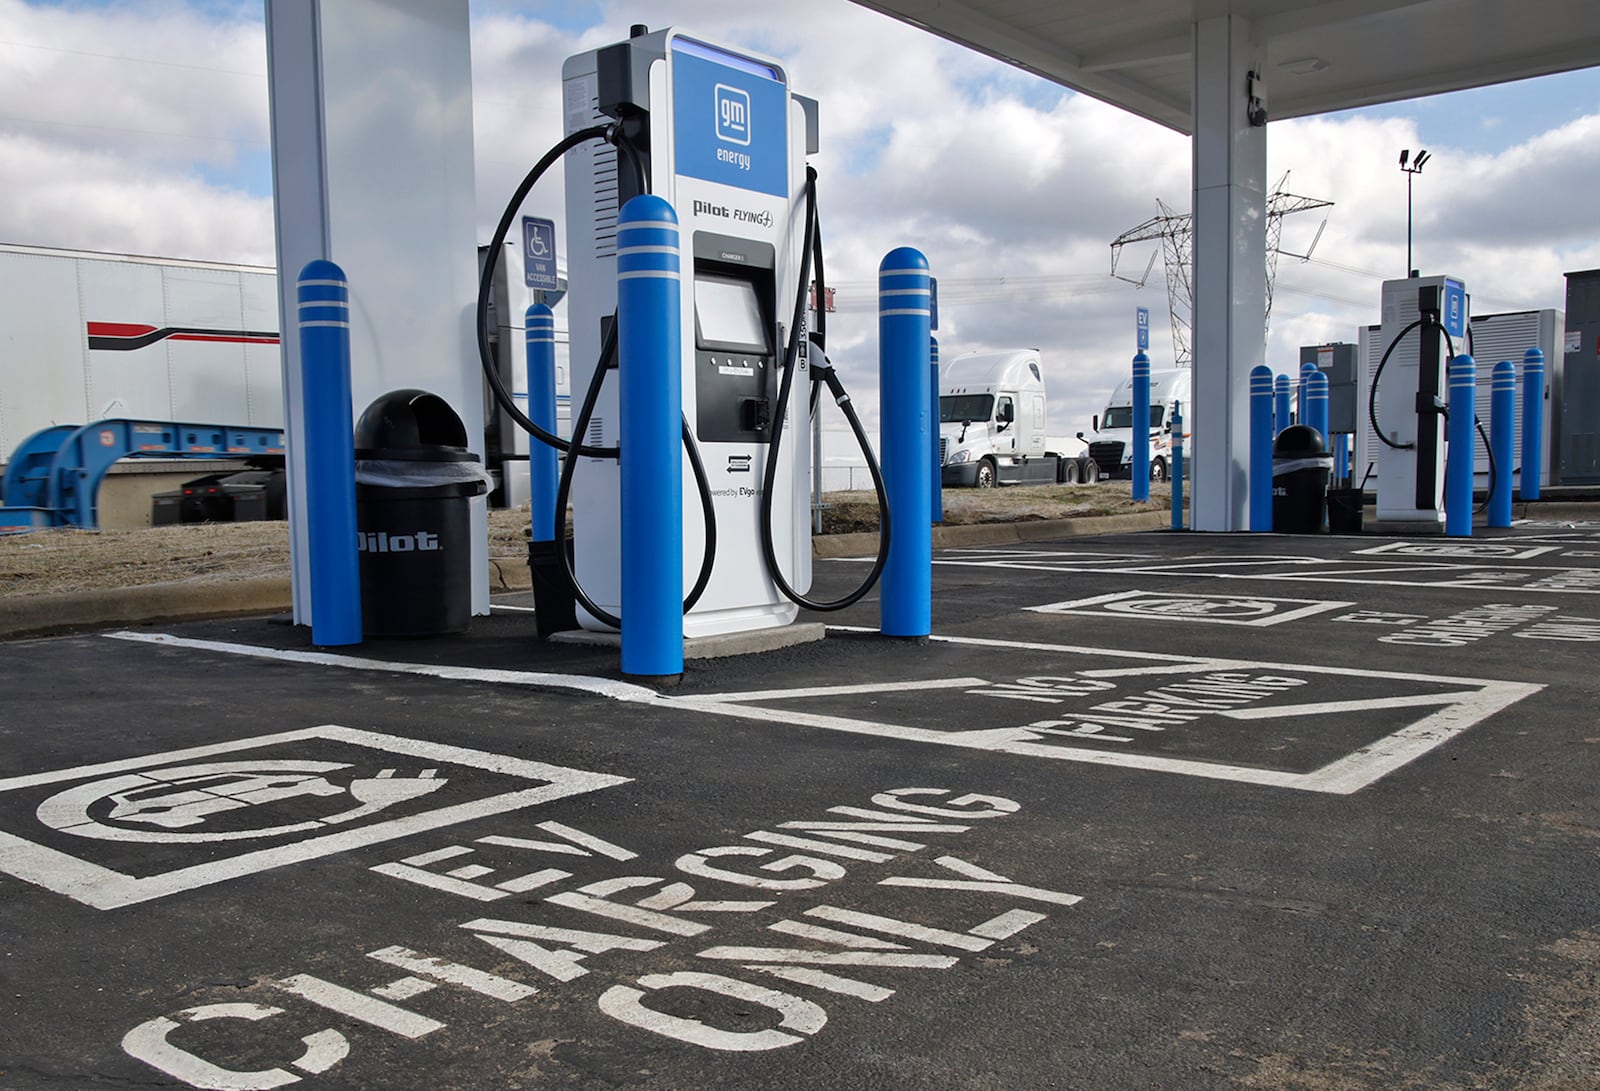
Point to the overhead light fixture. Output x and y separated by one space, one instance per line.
1303 66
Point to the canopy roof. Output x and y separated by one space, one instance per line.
1321 55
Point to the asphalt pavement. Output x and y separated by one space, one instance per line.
1153 810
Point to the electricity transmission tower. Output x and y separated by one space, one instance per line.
1175 230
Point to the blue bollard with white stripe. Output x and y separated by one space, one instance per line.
1141 426
1502 420
937 502
1261 394
1306 371
1532 423
329 454
1177 464
1460 456
1280 404
904 329
650 407
543 462
1317 406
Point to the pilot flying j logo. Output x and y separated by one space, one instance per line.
192 818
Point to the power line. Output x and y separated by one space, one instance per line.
12 119
1175 231
134 60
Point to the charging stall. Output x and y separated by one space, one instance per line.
1424 325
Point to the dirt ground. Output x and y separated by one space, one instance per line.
55 561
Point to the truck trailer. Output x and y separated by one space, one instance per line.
93 336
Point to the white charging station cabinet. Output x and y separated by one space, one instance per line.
727 146
1411 395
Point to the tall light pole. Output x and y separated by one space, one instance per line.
1412 170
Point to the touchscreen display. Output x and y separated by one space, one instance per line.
728 314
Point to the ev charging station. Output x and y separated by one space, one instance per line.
1424 324
724 142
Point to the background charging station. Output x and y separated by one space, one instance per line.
1410 396
725 143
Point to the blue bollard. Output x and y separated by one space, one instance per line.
330 454
649 351
904 317
1141 427
1261 397
1317 406
1502 420
1177 464
1532 423
1341 458
1306 371
543 462
1280 404
937 502
1460 455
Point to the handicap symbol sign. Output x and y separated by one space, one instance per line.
539 253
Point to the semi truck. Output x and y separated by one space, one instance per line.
1112 445
92 336
992 425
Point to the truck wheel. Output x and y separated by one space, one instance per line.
1068 474
1158 469
987 475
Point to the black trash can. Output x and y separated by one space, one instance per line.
1301 467
414 478
1345 510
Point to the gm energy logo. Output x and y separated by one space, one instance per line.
733 114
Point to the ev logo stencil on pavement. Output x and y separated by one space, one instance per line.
1477 551
180 820
1251 610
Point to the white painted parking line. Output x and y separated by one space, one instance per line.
1324 708
1467 701
865 687
1522 579
602 687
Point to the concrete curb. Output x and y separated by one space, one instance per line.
41 615
979 534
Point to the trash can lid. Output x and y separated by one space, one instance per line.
1295 441
412 425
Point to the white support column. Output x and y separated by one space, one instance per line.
372 168
1230 240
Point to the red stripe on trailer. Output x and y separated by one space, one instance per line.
119 329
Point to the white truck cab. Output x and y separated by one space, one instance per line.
992 423
1112 445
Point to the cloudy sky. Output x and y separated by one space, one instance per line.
140 126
